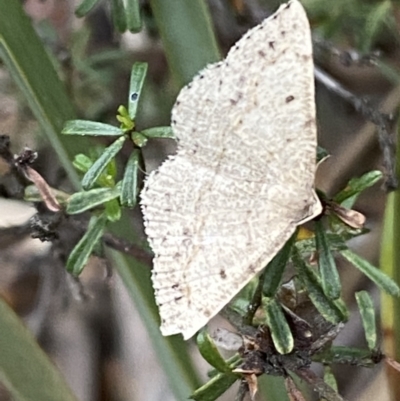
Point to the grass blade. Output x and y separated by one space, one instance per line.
34 73
25 370
186 31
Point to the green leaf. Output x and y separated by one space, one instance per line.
274 271
138 75
138 139
309 278
90 128
321 153
374 274
233 362
278 325
83 249
210 352
355 186
134 21
118 15
129 183
85 7
374 23
327 266
367 313
85 200
82 162
214 387
113 210
348 356
25 370
101 163
158 132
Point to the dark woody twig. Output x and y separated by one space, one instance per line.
381 120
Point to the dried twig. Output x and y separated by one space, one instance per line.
381 120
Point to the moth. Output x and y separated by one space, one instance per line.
242 178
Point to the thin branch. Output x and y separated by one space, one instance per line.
381 120
324 48
326 392
293 392
119 244
243 390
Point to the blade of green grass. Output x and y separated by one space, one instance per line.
187 34
30 67
390 306
390 264
172 352
25 370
